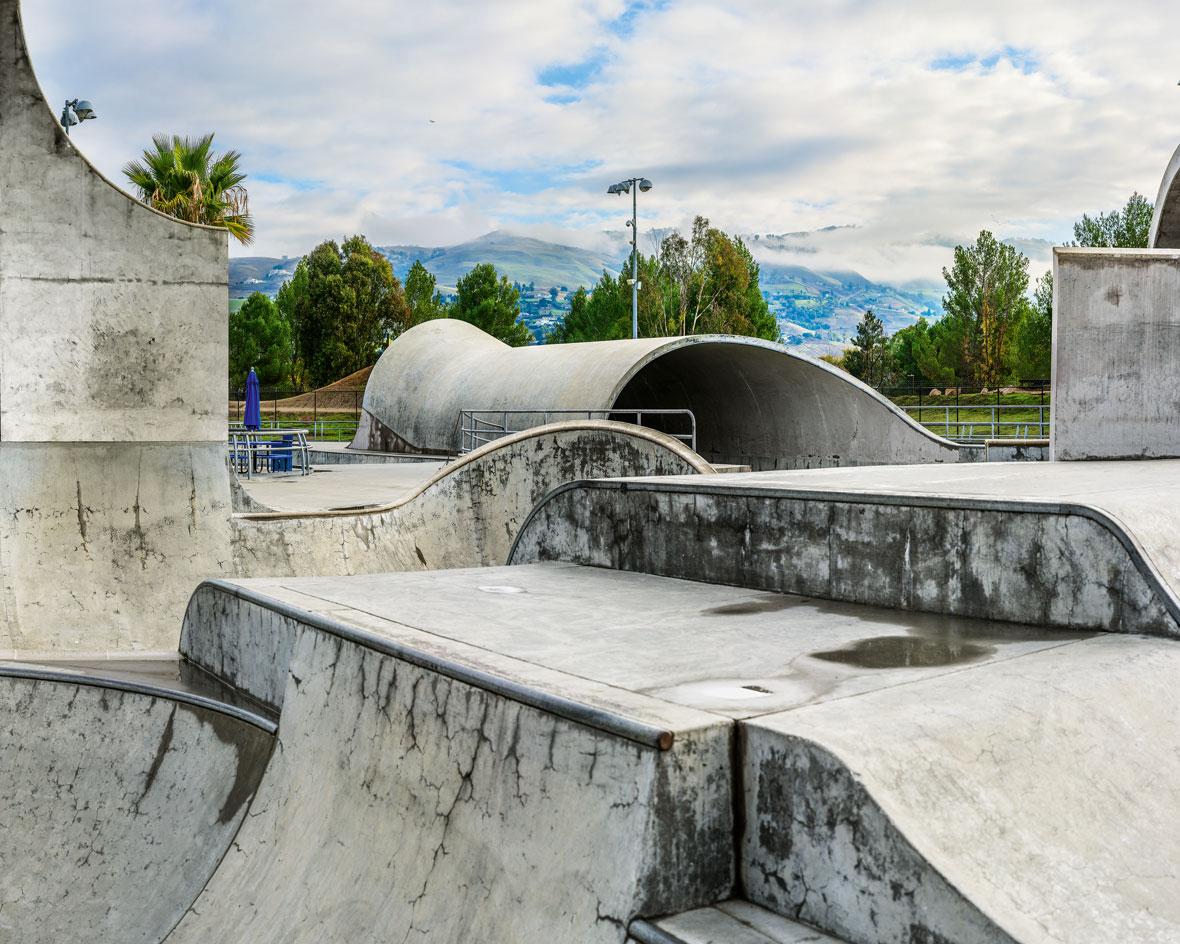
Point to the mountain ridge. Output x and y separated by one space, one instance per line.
816 309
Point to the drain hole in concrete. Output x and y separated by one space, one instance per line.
759 689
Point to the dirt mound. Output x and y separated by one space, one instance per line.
343 396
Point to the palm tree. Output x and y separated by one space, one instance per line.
184 178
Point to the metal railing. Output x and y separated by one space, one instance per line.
479 427
962 423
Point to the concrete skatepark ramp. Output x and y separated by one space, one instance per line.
755 403
465 515
531 752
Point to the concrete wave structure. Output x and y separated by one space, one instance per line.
466 515
755 403
113 494
1165 222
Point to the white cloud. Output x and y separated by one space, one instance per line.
765 115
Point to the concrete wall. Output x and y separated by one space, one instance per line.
1116 354
756 403
1044 562
467 515
112 405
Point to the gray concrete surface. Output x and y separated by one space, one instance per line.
1073 545
112 353
480 813
464 515
339 487
1116 343
109 779
901 777
756 403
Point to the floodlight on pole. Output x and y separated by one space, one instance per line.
632 186
75 112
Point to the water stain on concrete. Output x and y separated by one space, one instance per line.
903 652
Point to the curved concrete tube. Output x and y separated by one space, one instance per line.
113 494
103 786
466 515
1165 222
756 403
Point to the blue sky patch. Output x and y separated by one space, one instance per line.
1023 59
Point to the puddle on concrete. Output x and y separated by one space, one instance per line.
903 652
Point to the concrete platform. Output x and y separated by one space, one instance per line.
1079 545
899 776
343 487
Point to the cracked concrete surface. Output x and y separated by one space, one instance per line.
100 788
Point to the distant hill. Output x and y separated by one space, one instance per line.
816 310
520 258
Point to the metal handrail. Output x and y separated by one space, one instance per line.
475 430
979 430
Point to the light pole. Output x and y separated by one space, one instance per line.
76 111
632 186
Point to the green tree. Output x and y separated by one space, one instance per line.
986 288
259 337
184 178
347 308
870 358
491 304
290 291
1032 338
904 345
425 303
1127 228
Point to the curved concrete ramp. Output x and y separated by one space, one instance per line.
466 515
1165 223
1028 800
756 403
118 798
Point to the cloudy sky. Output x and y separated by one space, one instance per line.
908 125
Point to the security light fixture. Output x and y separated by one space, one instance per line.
75 112
624 186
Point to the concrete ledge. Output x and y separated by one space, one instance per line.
1066 564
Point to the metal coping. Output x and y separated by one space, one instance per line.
41 673
647 933
579 712
1143 563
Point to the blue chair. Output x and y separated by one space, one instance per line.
282 460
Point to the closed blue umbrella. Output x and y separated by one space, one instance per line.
253 415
